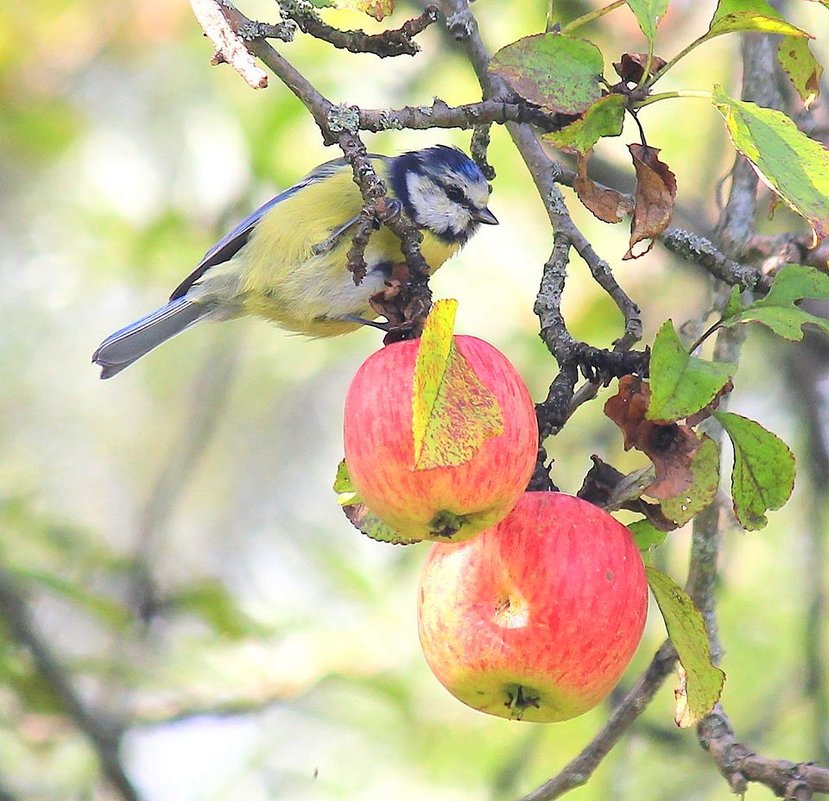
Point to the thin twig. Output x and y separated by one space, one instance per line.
213 17
397 42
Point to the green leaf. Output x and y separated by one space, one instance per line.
749 15
453 412
649 14
789 162
346 494
366 522
764 469
646 535
686 629
557 72
778 310
705 469
801 66
604 118
210 600
735 305
681 384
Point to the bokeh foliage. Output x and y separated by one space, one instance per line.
175 530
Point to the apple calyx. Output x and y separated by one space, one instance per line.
519 699
447 524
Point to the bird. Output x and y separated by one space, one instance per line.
286 262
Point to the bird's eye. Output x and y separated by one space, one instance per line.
455 194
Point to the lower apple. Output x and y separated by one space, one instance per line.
538 617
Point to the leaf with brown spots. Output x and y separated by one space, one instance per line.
607 204
654 199
557 72
803 69
671 447
453 411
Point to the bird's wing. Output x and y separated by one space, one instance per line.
233 241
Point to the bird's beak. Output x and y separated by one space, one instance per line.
484 216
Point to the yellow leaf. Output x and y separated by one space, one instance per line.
453 412
379 9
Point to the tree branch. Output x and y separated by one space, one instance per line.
580 769
441 115
737 763
704 252
103 733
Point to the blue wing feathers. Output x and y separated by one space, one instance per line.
232 242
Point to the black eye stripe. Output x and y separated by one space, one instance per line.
456 195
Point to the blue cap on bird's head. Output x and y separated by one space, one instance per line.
452 159
441 158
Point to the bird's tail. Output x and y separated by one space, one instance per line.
121 349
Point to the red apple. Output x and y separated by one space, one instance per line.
450 501
538 617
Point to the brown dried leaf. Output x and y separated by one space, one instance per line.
627 408
600 482
607 204
669 446
654 202
631 67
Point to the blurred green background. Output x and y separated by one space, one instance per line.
175 528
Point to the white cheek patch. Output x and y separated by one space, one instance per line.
432 208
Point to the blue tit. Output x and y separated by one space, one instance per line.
287 261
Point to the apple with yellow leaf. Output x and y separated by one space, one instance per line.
538 617
440 434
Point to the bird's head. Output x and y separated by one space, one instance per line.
443 190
